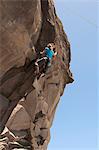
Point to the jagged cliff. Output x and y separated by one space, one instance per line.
25 24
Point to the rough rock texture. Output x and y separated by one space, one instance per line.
25 24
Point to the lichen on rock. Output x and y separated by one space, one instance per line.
26 27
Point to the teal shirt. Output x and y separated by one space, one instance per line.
49 53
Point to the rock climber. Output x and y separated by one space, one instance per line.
49 52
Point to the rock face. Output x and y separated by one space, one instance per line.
26 27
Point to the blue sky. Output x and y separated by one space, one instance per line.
75 123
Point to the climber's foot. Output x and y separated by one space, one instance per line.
25 95
37 67
42 75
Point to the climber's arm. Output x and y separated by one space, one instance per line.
55 53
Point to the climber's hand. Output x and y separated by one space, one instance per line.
45 58
42 52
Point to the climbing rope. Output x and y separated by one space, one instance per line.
75 13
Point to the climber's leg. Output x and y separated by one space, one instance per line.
48 64
45 68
